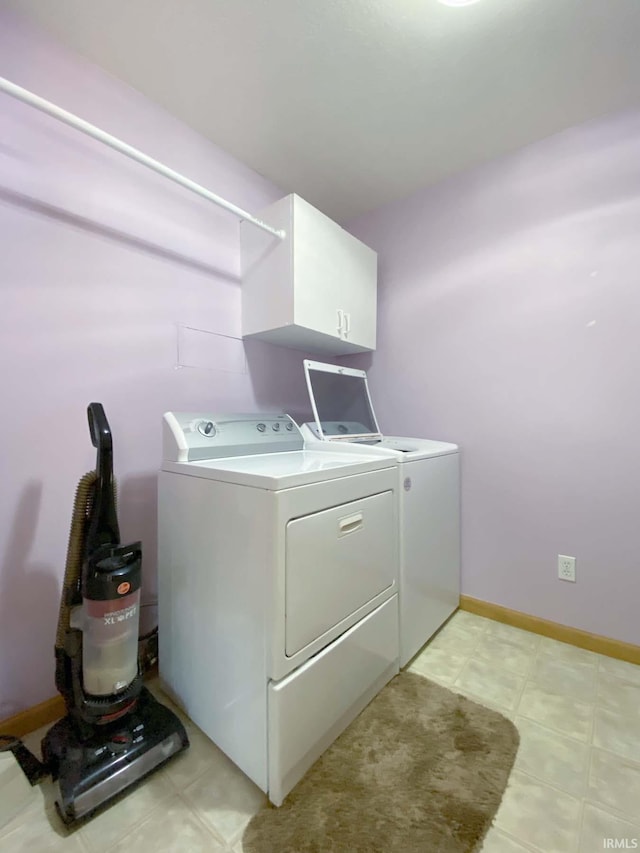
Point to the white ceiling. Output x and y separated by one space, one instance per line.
353 103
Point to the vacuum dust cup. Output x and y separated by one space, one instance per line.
111 605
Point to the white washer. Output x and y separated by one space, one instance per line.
428 475
277 588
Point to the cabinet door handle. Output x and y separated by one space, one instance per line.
340 321
350 524
347 323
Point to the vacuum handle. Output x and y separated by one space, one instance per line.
103 525
99 427
101 438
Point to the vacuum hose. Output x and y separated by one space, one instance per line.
75 553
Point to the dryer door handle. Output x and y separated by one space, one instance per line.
349 524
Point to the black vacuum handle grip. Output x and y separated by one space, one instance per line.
99 427
103 522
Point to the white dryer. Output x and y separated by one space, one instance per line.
428 475
277 587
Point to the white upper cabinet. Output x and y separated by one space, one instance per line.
314 290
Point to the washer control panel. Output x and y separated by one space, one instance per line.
189 436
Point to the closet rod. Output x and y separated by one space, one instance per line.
129 151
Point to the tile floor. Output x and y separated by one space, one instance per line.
576 782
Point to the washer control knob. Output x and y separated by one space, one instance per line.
276 426
289 426
207 428
261 427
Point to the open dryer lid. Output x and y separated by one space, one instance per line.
341 402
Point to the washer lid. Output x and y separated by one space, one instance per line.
275 471
340 401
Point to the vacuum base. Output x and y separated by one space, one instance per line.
89 773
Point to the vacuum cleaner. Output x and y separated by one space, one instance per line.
114 732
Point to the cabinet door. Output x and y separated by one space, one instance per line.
334 278
318 257
358 296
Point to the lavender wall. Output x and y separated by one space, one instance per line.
104 268
510 323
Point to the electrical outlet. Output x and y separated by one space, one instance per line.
566 568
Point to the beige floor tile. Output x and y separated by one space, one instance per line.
456 639
174 829
16 794
515 636
598 826
621 669
497 842
37 830
540 815
225 799
499 651
622 697
440 665
486 703
112 824
569 678
469 621
561 713
619 733
565 651
490 682
551 757
615 783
